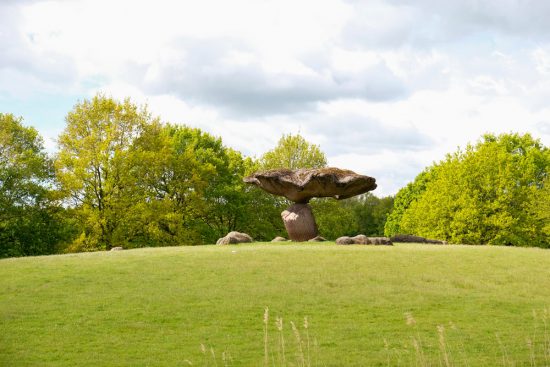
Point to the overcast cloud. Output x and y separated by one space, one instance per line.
384 87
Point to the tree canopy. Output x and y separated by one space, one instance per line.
28 223
96 165
482 195
123 178
293 152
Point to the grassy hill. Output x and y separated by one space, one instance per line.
365 306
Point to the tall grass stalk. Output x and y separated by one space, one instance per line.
531 348
546 346
387 349
306 328
266 339
442 345
279 326
420 357
301 359
505 359
213 354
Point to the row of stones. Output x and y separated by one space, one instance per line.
238 237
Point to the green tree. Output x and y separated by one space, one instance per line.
97 164
28 215
404 198
334 218
293 152
194 190
484 194
540 208
371 213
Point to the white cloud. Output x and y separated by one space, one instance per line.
385 87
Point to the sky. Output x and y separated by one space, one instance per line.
385 88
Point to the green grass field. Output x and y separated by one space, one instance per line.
155 307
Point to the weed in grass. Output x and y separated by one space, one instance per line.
281 345
442 345
210 358
419 352
303 357
266 321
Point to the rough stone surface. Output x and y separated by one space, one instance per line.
303 184
279 239
363 240
317 239
360 239
345 240
415 239
118 248
300 222
380 241
234 238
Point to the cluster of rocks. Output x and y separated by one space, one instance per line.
363 240
409 238
237 237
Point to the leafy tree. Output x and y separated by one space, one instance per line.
371 213
365 214
28 215
540 208
97 165
484 194
194 190
293 152
334 218
404 198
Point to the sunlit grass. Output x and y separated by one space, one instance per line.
157 306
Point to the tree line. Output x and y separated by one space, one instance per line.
494 192
122 178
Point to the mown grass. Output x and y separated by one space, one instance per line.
155 307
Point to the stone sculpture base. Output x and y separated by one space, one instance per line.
300 222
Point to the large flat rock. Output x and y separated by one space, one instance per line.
303 184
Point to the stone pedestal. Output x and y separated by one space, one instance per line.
300 222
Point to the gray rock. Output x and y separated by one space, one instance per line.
300 222
317 239
117 248
380 241
409 238
363 240
360 239
279 239
345 240
303 184
234 238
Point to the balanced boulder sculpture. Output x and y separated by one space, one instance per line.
301 185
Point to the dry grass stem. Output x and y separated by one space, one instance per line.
301 358
442 345
266 340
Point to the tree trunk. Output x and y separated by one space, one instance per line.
300 222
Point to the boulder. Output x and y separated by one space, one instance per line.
317 239
118 248
363 240
360 239
345 240
380 241
279 239
409 238
303 184
300 222
234 238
